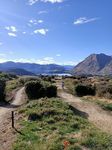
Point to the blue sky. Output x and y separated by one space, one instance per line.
54 31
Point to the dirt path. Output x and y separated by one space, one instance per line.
102 119
7 134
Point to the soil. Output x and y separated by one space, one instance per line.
7 133
100 118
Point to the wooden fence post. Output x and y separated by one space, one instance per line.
12 118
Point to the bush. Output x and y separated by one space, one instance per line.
2 90
24 80
83 90
34 89
104 90
51 91
38 89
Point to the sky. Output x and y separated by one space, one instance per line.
54 31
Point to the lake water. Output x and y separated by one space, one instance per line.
58 74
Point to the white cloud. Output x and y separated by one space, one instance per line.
2 55
10 52
35 22
12 34
1 43
31 2
53 1
2 60
83 20
41 31
24 32
42 12
11 28
72 63
58 55
46 60
40 21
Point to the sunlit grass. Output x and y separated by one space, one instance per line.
55 123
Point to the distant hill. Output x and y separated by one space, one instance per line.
35 68
95 64
20 72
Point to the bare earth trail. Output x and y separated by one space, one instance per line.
100 118
6 132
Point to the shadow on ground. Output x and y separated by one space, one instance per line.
78 112
8 105
18 131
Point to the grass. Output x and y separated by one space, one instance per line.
69 84
48 123
11 85
103 104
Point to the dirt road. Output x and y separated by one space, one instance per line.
7 134
100 118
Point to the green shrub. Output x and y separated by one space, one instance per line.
2 90
34 89
51 91
83 90
108 106
24 80
38 89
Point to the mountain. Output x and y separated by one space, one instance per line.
20 72
34 68
68 67
95 64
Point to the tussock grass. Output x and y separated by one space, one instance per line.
55 123
103 104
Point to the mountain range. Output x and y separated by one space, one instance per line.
95 64
33 68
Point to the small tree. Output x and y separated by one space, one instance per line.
2 91
83 90
34 89
51 91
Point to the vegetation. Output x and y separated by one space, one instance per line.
6 76
82 90
106 105
8 82
52 125
104 90
38 89
25 79
2 91
99 86
11 87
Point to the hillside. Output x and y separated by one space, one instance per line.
35 68
20 72
95 64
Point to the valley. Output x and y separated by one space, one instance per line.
46 117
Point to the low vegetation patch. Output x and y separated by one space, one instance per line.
50 124
104 90
38 89
2 90
106 105
83 90
7 84
99 86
